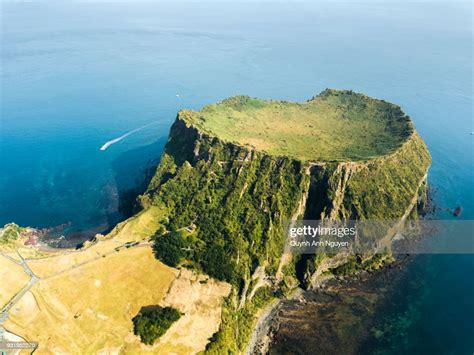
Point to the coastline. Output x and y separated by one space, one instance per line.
266 334
333 312
260 340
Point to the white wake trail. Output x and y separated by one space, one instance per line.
115 140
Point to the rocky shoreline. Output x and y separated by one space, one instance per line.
335 318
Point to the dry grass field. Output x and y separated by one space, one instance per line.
200 300
85 299
12 277
135 229
89 308
68 259
141 226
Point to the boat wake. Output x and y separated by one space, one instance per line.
118 139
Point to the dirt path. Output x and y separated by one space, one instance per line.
33 280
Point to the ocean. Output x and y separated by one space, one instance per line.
75 76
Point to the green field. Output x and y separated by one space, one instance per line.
334 126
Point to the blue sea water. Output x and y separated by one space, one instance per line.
76 75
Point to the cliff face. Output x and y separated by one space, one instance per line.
237 199
230 202
382 188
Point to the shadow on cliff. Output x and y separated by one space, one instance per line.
133 171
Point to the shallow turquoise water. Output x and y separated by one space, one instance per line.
76 76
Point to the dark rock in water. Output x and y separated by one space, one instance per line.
336 320
457 212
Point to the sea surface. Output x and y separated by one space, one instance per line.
75 76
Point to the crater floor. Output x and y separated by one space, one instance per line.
333 126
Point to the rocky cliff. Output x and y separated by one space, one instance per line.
233 174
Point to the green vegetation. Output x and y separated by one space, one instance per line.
152 322
10 232
334 126
238 208
169 248
384 188
227 203
237 325
357 263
